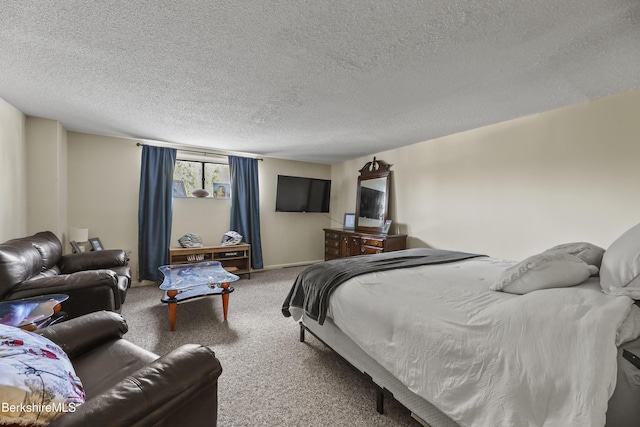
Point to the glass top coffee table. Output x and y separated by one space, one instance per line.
184 282
31 313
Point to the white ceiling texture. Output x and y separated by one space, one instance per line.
313 80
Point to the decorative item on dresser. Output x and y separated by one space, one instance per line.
349 221
340 243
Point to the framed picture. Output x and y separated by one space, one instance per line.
387 226
96 244
75 247
349 221
221 190
178 188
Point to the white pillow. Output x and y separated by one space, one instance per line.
587 252
620 272
37 381
544 271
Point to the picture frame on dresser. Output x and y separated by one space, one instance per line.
386 227
96 244
75 247
349 221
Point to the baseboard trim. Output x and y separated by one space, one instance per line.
294 264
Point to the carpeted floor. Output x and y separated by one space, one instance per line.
269 378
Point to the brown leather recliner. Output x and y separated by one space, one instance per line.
141 389
34 265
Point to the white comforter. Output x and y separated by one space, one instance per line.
485 358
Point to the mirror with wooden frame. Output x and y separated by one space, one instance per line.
372 201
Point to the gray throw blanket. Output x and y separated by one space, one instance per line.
314 285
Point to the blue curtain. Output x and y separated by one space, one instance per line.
155 210
245 204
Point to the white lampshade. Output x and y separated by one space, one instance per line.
78 234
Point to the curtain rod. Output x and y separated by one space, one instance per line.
204 152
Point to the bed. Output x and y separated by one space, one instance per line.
471 340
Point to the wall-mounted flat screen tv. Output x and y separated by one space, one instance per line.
298 194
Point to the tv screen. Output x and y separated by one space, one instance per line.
298 194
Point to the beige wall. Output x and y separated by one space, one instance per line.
208 218
290 238
519 187
13 174
104 178
46 142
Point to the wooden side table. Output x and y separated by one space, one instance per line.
32 313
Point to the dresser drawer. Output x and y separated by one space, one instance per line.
332 252
346 243
368 250
329 235
372 242
331 244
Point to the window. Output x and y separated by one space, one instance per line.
190 175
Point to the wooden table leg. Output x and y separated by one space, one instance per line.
225 301
172 309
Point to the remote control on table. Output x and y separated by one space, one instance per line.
635 360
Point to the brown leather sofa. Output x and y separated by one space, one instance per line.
34 265
140 389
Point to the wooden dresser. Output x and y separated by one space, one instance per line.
340 243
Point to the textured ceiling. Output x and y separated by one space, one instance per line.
315 80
